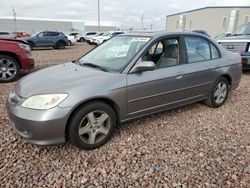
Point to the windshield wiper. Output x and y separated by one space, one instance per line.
95 66
76 62
237 34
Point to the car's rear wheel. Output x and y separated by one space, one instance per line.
60 45
82 39
218 94
9 68
92 125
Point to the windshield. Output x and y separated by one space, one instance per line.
106 34
242 30
116 53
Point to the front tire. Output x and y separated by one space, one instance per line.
218 94
92 125
9 69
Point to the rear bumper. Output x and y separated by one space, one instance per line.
246 62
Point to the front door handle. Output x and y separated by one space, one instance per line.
179 77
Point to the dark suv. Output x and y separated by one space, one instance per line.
53 39
239 42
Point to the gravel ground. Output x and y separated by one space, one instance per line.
193 146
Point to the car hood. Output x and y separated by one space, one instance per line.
62 78
243 38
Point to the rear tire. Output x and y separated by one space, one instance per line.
82 40
218 94
9 69
92 125
60 45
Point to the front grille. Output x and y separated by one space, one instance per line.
236 47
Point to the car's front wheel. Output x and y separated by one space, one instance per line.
9 68
218 94
92 125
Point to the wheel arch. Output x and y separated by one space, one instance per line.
61 41
107 101
228 78
13 55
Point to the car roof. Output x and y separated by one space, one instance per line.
156 34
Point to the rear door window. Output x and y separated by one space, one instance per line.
198 49
214 52
52 34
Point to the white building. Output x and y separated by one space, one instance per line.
36 25
215 20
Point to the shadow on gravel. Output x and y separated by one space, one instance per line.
247 72
52 49
158 116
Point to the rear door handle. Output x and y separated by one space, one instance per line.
179 77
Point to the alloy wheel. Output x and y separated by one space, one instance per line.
220 93
94 127
8 69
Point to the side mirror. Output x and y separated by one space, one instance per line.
143 66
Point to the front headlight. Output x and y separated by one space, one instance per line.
25 47
44 102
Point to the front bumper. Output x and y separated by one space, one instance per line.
246 62
41 127
27 62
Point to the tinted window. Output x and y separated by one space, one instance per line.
43 34
4 33
91 33
52 34
198 49
214 52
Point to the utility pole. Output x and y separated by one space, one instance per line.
99 19
151 26
14 15
142 19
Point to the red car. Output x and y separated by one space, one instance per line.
15 58
21 34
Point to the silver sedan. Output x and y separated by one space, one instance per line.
127 77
